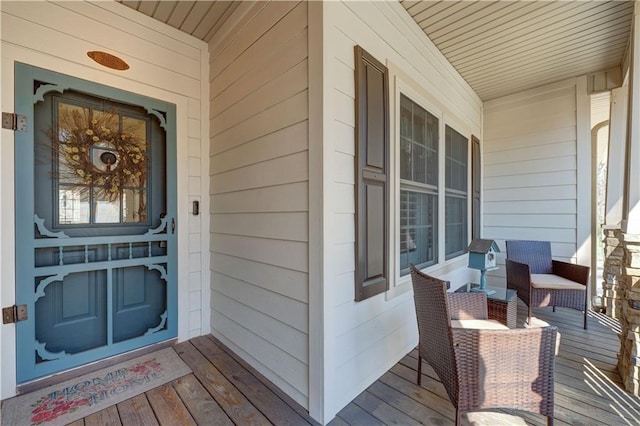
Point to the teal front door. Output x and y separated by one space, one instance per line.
95 222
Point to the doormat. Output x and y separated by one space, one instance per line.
77 398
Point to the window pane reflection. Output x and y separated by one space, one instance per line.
73 205
134 205
418 186
456 225
100 164
106 209
456 171
418 217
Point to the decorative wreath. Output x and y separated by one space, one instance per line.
99 153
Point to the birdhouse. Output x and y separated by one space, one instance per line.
482 254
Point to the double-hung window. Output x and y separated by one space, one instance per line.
456 171
418 185
431 198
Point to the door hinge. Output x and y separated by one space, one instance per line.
14 314
14 121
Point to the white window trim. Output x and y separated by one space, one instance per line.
404 85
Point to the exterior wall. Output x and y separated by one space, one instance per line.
537 179
165 64
259 190
362 340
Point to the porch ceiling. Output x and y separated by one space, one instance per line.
503 47
499 47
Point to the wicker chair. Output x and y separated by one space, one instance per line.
541 281
482 368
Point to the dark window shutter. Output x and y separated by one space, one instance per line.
475 185
372 168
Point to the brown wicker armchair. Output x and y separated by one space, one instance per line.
541 281
482 368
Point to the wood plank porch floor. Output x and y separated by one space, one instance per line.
223 390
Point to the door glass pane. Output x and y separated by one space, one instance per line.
106 151
74 204
71 118
134 205
104 156
106 209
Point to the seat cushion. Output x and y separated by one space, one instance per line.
554 282
479 324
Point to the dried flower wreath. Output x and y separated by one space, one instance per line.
99 153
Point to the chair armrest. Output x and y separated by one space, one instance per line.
571 271
514 368
519 279
466 306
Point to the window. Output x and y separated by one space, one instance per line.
475 187
418 185
456 165
102 166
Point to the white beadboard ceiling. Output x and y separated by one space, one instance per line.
502 47
498 46
201 18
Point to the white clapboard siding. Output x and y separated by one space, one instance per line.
271 278
258 24
289 140
559 235
560 148
281 198
551 192
229 29
32 34
264 356
540 137
531 207
292 81
270 328
259 172
268 303
368 337
165 64
549 220
255 78
530 180
276 117
239 58
291 226
286 254
282 170
531 168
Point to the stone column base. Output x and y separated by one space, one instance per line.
612 272
629 292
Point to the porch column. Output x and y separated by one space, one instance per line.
629 357
612 238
